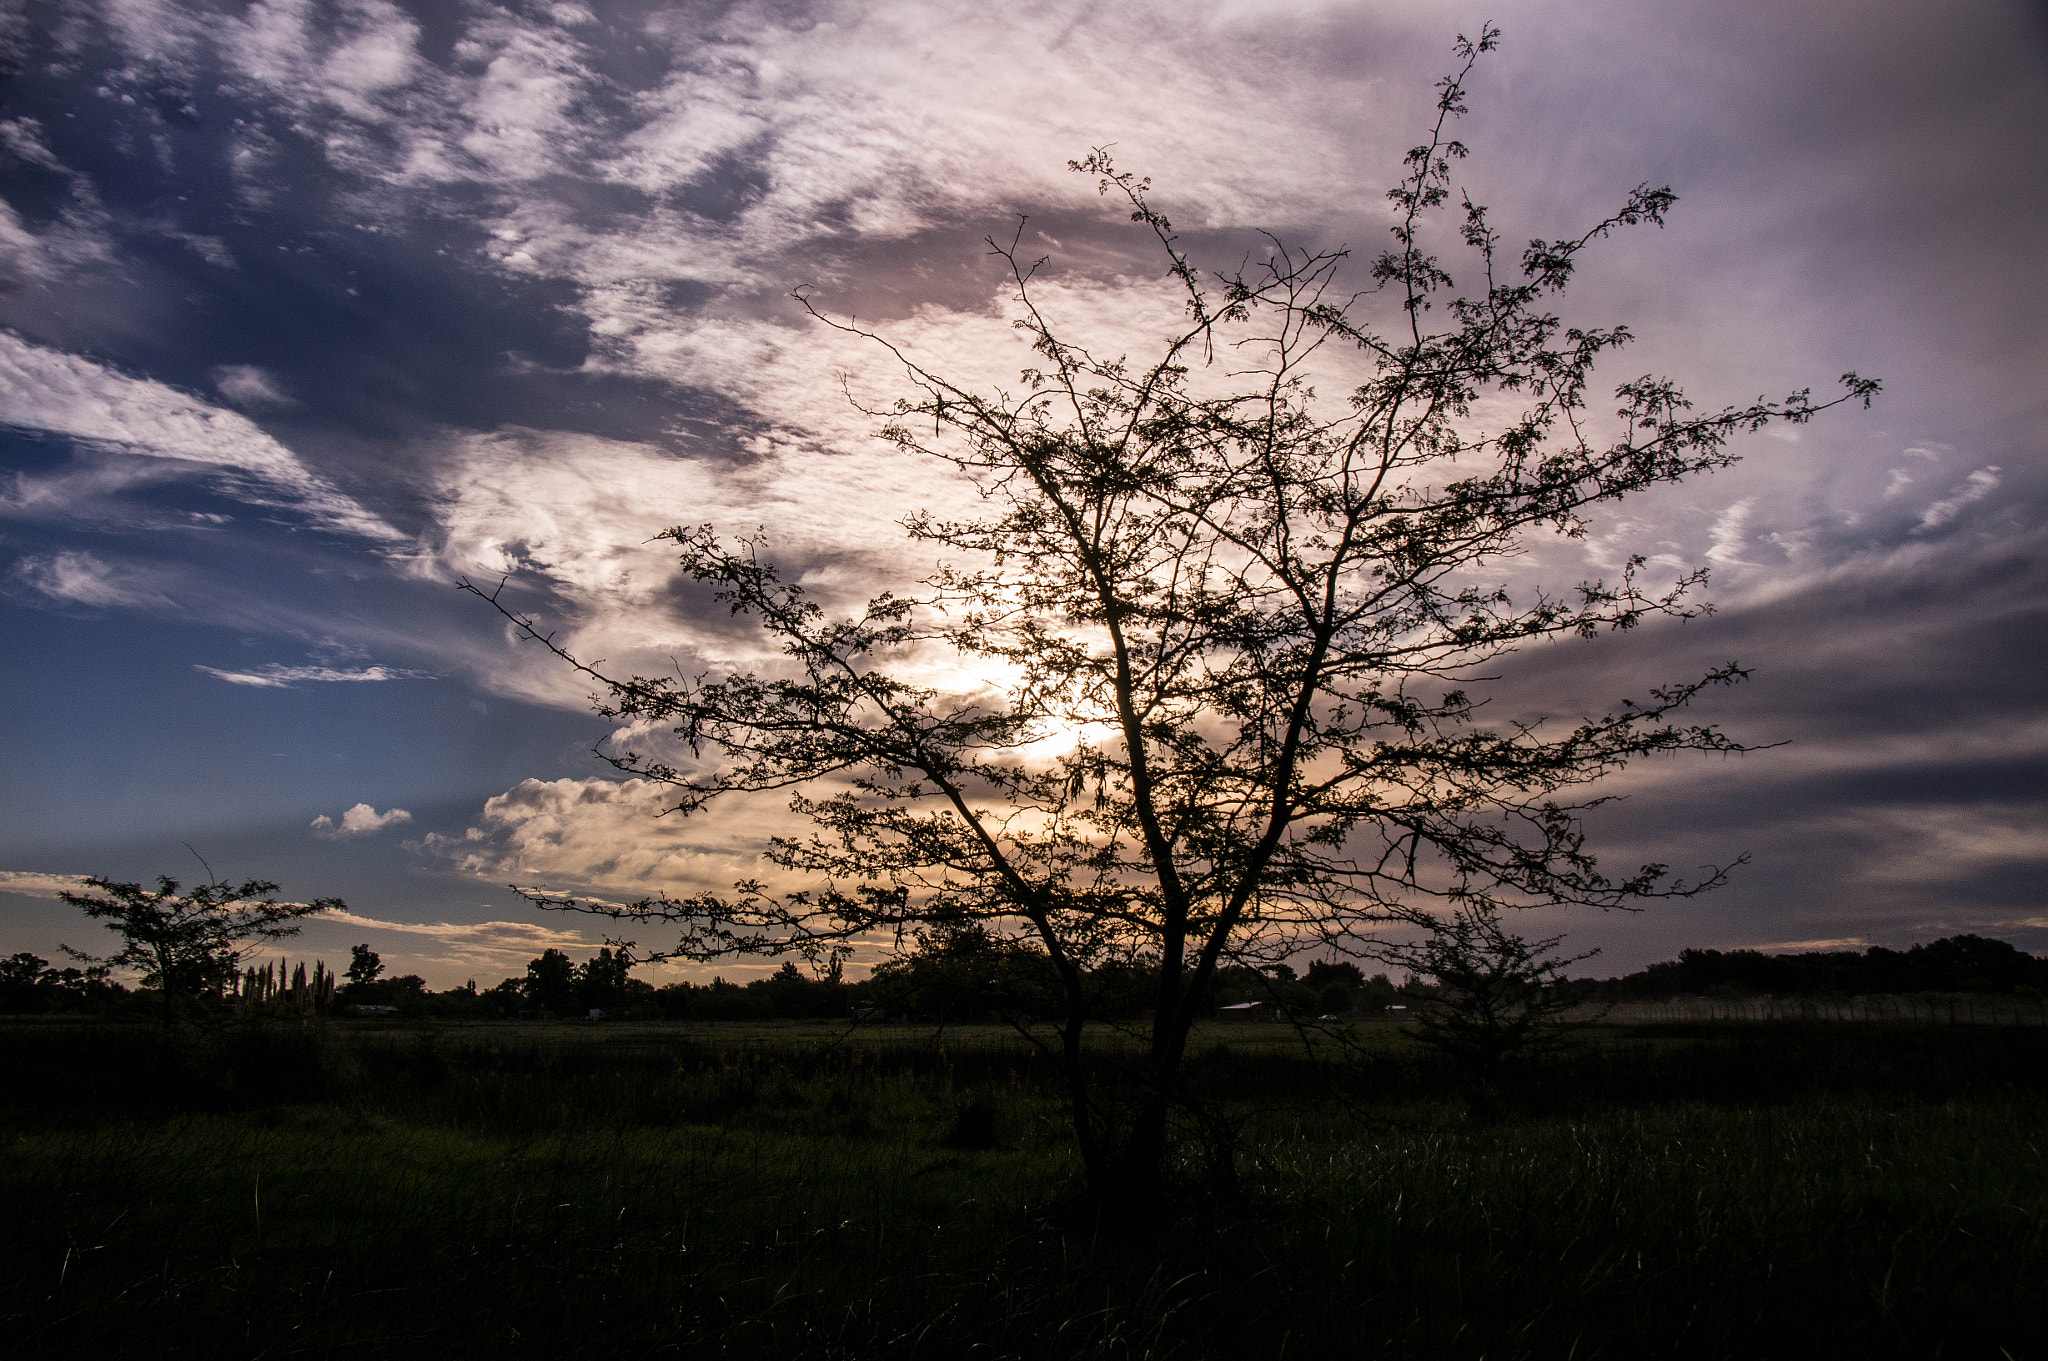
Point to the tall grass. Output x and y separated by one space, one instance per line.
509 1191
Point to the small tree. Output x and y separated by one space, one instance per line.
189 945
1496 995
962 971
363 966
1231 625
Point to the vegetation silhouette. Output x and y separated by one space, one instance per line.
1494 997
188 945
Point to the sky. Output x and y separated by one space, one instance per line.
309 311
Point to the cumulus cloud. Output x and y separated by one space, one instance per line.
607 833
276 676
64 394
360 820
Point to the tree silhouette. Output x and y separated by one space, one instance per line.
601 980
1496 994
363 966
1235 624
188 945
551 983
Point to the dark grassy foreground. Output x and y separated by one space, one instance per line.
1836 1190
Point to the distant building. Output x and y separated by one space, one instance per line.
1245 1011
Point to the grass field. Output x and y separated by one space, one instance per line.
786 1190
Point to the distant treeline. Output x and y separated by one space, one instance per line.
1954 964
971 976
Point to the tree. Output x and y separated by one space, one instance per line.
961 970
1336 984
1233 625
1495 994
551 982
28 984
601 980
189 945
363 966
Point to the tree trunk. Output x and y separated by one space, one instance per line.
1132 1190
1129 1187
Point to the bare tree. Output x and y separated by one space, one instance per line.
1249 616
188 945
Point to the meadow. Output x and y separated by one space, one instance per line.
319 1188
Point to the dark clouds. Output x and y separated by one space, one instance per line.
1901 785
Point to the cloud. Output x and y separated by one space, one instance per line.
22 139
444 947
656 182
63 394
1726 538
34 884
77 238
360 820
493 936
246 385
574 516
609 833
280 677
1974 488
77 577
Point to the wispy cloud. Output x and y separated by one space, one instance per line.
65 394
1727 539
502 945
77 577
35 884
249 386
1974 488
276 676
361 820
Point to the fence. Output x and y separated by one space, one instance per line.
1925 1008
